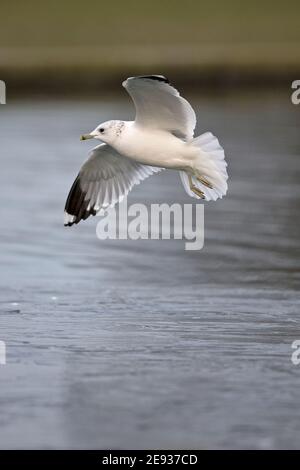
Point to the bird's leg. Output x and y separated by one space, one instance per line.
195 190
204 181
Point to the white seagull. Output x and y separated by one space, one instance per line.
160 137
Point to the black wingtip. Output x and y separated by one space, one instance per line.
77 204
158 78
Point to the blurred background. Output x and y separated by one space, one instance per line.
139 344
91 44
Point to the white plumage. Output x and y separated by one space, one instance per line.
159 106
160 137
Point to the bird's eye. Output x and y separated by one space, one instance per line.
101 130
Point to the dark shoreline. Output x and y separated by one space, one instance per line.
86 70
42 83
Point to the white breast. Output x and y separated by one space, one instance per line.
152 147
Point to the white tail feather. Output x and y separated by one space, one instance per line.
210 165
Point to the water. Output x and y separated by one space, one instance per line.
140 344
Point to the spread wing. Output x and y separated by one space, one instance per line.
103 180
160 106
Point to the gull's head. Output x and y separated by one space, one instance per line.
106 132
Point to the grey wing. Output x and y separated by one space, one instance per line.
103 180
159 105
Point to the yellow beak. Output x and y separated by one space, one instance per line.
86 136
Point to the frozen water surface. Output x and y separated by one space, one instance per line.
140 344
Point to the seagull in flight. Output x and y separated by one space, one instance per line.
162 136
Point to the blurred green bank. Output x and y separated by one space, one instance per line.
76 44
